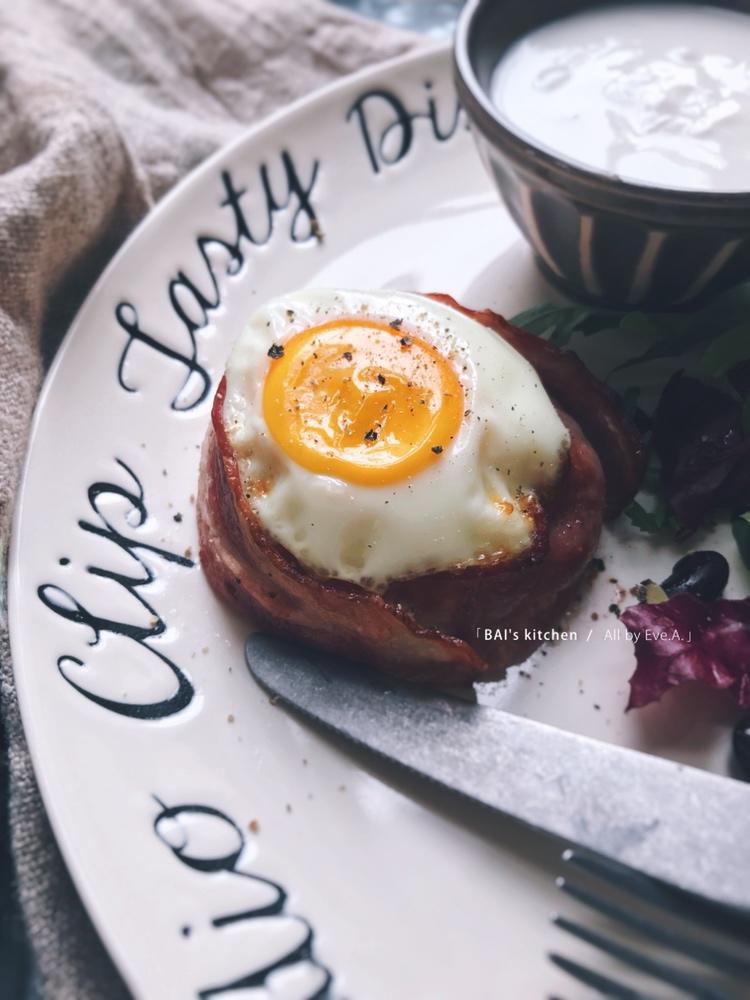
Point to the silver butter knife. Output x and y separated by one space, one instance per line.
673 822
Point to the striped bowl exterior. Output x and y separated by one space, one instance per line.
598 237
614 255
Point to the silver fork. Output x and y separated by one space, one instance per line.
711 942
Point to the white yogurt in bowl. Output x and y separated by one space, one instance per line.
655 94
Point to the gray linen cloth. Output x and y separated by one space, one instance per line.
104 105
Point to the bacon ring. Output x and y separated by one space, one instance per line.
430 628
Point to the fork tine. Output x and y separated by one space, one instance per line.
692 985
606 986
667 897
707 954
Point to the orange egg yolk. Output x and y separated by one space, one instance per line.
363 401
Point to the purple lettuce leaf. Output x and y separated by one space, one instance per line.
685 639
704 451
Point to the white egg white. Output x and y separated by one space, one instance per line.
511 442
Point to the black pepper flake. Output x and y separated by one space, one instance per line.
177 518
348 355
381 379
395 324
615 609
275 351
438 449
405 341
371 435
598 564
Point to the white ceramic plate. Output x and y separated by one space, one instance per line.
183 801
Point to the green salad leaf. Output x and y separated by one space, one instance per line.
707 344
648 521
559 324
671 345
741 532
725 351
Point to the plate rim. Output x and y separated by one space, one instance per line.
84 886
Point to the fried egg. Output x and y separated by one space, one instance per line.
381 435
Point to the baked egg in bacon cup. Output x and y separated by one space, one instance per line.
406 482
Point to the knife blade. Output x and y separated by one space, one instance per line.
684 826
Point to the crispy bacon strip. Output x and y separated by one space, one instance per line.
524 594
423 629
264 581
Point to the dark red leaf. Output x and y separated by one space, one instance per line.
686 639
704 452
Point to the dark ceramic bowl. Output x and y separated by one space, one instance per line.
600 238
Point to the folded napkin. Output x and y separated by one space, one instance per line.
103 107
